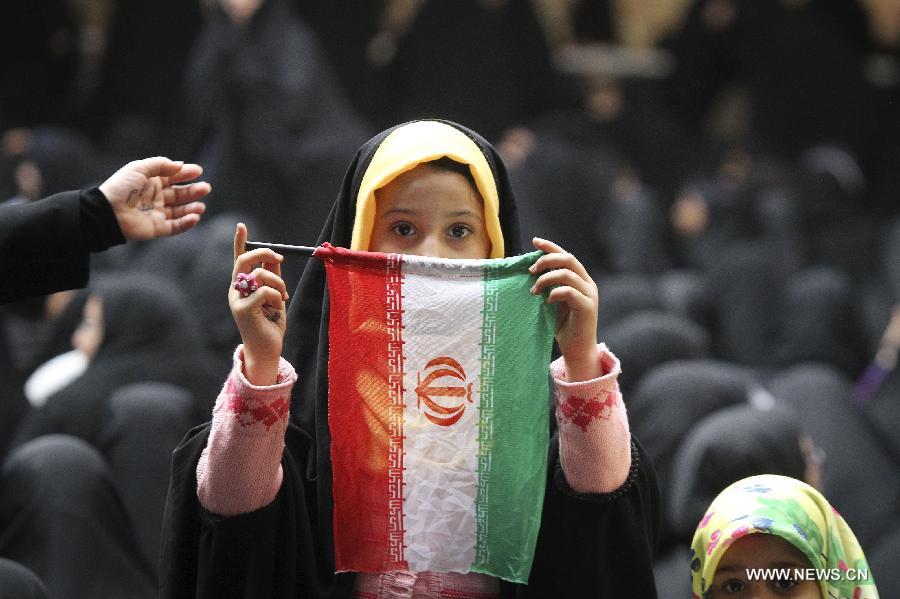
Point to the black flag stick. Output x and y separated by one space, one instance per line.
296 250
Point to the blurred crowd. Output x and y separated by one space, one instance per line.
730 178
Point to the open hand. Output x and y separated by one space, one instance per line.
148 201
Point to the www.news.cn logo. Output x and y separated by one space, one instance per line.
828 575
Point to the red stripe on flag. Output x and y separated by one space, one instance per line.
365 411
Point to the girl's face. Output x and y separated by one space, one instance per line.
762 552
429 211
89 334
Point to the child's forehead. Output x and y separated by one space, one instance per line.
429 189
428 170
760 547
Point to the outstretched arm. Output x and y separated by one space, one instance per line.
45 245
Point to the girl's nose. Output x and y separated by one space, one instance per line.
431 246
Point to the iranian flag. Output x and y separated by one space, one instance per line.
438 411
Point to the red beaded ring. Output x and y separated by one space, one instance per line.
246 284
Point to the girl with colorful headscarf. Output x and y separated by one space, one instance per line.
774 536
251 504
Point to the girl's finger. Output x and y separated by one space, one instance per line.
270 279
273 267
563 260
240 237
558 258
546 245
564 277
246 261
264 296
576 300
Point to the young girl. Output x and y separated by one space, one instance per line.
250 508
785 530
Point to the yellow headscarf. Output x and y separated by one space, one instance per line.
411 145
792 510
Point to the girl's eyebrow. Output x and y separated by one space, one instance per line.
399 211
411 211
788 564
465 212
731 568
737 568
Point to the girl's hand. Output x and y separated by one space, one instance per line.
579 301
260 316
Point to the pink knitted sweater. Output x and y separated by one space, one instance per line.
240 468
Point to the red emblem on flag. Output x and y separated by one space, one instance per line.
438 413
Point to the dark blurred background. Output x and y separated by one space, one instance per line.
728 171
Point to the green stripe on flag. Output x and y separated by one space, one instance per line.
513 419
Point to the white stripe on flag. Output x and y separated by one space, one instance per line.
441 319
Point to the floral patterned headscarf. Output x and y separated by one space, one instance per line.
792 510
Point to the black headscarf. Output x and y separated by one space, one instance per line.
883 562
149 334
432 71
264 115
671 398
286 549
727 446
649 338
18 582
856 467
59 335
882 415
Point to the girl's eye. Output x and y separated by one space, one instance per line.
733 586
403 229
460 231
783 584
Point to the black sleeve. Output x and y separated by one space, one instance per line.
280 551
45 246
596 545
99 225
